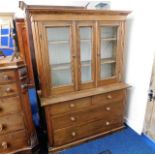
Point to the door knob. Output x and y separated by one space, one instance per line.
151 95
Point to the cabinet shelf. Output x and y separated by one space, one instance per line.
85 40
66 41
64 66
108 60
59 42
61 66
109 39
86 63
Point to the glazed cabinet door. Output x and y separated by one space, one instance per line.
86 55
57 57
60 57
108 52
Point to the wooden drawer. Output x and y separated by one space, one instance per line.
84 116
8 89
70 106
14 141
10 105
68 135
108 97
11 123
7 76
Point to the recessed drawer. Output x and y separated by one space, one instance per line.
7 76
8 89
13 141
108 97
70 106
68 135
10 105
11 123
84 116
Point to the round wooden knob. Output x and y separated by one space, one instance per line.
8 90
24 86
72 118
72 105
108 108
1 127
4 145
73 134
107 123
109 97
6 77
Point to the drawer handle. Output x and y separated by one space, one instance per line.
73 134
109 97
4 145
107 123
72 118
1 127
8 90
6 77
72 105
1 109
108 108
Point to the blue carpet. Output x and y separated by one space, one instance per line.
34 106
125 141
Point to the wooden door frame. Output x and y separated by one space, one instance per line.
45 57
150 105
119 54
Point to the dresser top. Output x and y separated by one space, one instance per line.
6 63
83 93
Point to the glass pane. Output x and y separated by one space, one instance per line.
107 70
108 50
108 42
85 52
59 55
109 31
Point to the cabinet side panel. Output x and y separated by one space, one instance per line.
120 56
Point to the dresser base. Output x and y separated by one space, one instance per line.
63 147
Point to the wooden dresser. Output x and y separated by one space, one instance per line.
79 56
17 131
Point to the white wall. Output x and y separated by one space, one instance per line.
140 48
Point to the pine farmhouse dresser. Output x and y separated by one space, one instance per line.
79 57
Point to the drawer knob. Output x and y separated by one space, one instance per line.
8 90
109 97
72 118
6 77
72 105
107 123
73 134
1 127
24 86
4 145
108 108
